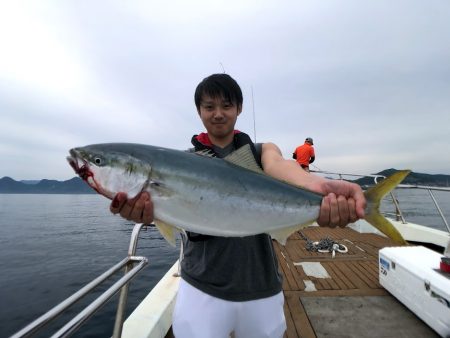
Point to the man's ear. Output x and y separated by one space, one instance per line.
239 109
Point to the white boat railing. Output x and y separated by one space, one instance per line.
398 214
122 284
430 190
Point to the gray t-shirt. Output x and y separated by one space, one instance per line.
231 268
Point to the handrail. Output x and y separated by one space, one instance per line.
427 187
344 174
439 210
430 191
85 314
399 213
118 324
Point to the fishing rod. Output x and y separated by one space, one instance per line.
254 117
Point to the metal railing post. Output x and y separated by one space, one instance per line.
84 315
122 284
118 324
439 210
398 211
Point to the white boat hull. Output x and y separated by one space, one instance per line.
152 318
411 232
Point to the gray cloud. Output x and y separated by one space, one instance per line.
369 81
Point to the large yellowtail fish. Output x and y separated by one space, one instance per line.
220 197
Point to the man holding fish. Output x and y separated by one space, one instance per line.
232 284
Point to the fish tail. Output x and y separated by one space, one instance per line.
374 196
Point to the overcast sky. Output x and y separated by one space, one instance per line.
369 81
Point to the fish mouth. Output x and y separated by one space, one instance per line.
82 169
72 159
79 165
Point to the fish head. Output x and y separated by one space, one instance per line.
109 171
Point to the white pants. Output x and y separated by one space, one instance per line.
199 315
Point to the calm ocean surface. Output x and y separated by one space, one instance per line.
52 245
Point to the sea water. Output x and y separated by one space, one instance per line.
418 207
52 245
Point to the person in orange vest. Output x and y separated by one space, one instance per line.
304 154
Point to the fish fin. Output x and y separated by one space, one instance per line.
282 235
160 189
167 231
206 152
374 196
244 158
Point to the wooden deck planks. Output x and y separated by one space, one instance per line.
351 274
292 279
299 317
342 281
291 332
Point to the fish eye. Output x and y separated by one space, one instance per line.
98 161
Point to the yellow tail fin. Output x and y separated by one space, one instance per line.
374 196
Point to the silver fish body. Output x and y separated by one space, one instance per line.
230 197
198 193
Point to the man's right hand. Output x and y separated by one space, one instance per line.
138 209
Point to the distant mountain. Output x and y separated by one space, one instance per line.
30 181
413 178
73 186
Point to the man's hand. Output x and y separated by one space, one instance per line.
138 209
343 203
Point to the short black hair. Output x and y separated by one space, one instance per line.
219 86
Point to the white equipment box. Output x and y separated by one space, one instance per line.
412 275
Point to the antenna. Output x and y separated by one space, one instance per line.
222 67
254 117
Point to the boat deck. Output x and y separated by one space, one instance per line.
341 296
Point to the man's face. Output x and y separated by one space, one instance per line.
218 116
